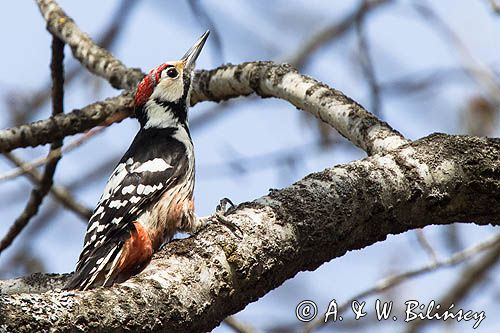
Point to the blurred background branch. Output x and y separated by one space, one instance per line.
40 191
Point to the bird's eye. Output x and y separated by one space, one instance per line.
172 72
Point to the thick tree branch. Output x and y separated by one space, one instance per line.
57 127
266 79
194 283
97 59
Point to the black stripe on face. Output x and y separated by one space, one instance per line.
178 108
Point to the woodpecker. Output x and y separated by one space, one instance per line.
149 195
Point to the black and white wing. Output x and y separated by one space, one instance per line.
137 182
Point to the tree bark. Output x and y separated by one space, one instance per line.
265 79
194 283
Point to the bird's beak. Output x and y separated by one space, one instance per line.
190 57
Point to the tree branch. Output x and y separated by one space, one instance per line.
25 105
334 31
192 284
396 279
38 194
61 193
57 127
96 59
466 281
266 79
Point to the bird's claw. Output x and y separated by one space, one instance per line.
221 207
221 213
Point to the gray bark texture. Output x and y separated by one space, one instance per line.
265 79
194 283
96 59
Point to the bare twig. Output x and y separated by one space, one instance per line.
22 110
477 70
61 193
495 6
367 66
38 193
100 170
386 283
202 15
424 243
229 81
282 81
238 326
297 228
466 281
242 165
54 154
332 32
422 80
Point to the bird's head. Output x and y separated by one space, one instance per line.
162 96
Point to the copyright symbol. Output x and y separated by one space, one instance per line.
306 311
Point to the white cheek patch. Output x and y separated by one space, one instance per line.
169 89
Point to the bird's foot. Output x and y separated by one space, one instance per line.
219 216
221 213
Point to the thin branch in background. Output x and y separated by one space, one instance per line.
452 238
61 193
495 6
483 75
421 81
54 154
367 66
424 243
100 171
321 38
206 117
24 259
466 281
23 262
200 13
243 165
238 326
23 107
38 193
384 284
333 32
